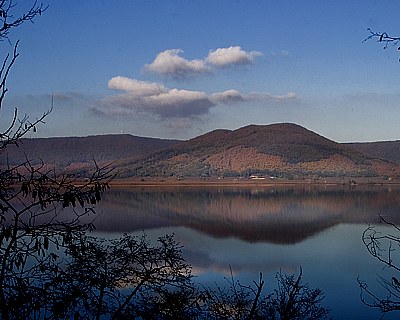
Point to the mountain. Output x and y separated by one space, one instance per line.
74 152
280 150
388 150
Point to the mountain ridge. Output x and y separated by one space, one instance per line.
388 150
284 150
64 151
281 150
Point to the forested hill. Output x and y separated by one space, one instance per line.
67 151
285 150
280 150
388 150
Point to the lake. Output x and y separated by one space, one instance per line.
265 229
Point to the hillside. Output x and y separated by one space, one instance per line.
388 150
279 150
73 152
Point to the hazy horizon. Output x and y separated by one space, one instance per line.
155 137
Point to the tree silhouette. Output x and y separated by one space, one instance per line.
383 245
99 278
33 198
290 300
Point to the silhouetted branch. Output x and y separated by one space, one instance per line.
4 72
384 38
8 20
18 128
292 300
259 287
382 246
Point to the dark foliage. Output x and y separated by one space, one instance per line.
128 278
33 199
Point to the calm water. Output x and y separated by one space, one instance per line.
265 230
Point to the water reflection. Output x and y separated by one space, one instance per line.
265 230
275 215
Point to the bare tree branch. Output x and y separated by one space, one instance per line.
383 246
9 21
384 38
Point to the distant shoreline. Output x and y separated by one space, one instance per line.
236 182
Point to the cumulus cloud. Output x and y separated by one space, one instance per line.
136 87
166 103
154 98
171 63
227 96
224 57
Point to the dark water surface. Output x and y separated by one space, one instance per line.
265 230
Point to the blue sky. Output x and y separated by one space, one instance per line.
178 69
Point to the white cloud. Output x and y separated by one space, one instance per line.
136 87
179 103
224 57
156 99
171 63
175 96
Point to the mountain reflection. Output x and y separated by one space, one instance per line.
275 215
